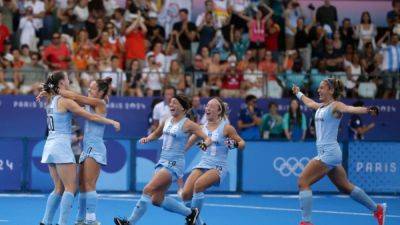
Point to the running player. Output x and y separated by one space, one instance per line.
170 167
94 151
57 152
329 158
213 164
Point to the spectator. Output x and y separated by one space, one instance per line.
393 15
347 33
294 122
333 58
4 33
272 38
387 67
91 74
83 50
272 123
215 71
207 32
317 43
337 42
38 13
199 76
253 81
176 77
25 54
357 129
161 110
327 15
249 119
302 42
116 74
171 53
135 45
8 77
186 33
269 67
205 54
232 81
169 14
240 42
110 6
209 8
135 77
221 10
81 11
28 30
197 109
155 32
353 74
292 13
152 126
31 76
152 76
119 20
57 55
366 31
159 56
7 10
244 63
368 61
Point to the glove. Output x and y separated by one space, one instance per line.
231 144
202 145
373 110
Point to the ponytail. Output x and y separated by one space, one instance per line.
104 85
51 84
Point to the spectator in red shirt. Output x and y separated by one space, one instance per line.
4 33
231 81
135 45
272 38
268 66
57 56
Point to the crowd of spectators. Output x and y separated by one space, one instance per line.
233 48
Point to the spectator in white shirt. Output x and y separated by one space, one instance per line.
209 7
117 74
161 111
81 11
153 77
110 6
159 56
38 12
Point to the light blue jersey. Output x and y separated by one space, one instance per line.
93 144
173 148
216 155
57 148
326 127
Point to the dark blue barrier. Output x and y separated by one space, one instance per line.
374 166
11 161
23 117
114 177
147 156
276 166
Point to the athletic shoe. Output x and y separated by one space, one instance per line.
380 213
120 221
191 219
305 223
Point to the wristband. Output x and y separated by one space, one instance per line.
299 95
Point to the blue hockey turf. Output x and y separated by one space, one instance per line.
27 209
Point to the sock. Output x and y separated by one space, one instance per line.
174 206
53 201
91 204
140 209
66 206
81 207
198 200
188 203
361 197
305 205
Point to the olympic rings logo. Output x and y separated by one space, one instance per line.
291 166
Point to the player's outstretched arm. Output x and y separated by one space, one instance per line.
156 134
343 108
81 99
306 100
